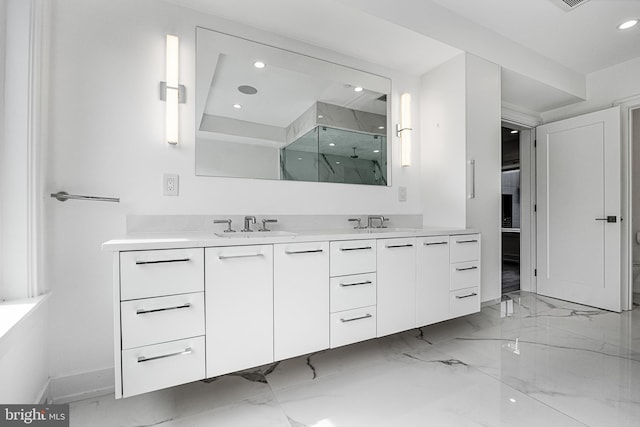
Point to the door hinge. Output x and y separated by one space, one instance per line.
535 272
535 208
535 143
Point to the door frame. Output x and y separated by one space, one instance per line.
627 106
526 124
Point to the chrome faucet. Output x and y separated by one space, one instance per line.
248 220
264 224
225 221
379 218
359 221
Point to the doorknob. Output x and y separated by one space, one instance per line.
610 218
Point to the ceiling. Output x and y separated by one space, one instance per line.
417 35
584 39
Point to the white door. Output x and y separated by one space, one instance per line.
578 207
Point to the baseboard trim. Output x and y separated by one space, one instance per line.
85 385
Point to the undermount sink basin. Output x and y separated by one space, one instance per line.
271 233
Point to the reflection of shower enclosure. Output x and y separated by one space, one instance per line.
326 154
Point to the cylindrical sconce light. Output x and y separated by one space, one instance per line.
171 91
403 130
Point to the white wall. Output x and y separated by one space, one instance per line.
106 138
23 359
443 144
604 87
483 136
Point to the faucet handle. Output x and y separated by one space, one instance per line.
382 221
264 223
225 221
359 220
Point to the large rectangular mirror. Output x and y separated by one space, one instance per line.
264 112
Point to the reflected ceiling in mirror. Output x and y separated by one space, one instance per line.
264 112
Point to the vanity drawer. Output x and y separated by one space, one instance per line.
352 257
163 365
145 274
464 301
155 320
348 292
464 275
352 326
465 247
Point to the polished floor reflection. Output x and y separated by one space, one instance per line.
527 361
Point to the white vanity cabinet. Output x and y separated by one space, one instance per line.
353 291
159 317
239 299
186 314
464 284
396 285
432 280
300 298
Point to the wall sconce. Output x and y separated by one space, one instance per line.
171 91
403 130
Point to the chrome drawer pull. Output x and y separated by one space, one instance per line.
366 316
435 243
155 310
467 268
163 261
409 245
312 251
467 241
180 353
356 249
466 296
367 282
239 256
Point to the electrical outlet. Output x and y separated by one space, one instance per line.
402 194
169 184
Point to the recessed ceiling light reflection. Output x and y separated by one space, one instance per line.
376 151
331 144
320 116
512 400
358 89
299 158
628 24
514 131
381 127
237 106
337 163
259 64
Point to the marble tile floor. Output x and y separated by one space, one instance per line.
527 361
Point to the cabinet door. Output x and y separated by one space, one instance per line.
239 299
432 281
300 299
396 285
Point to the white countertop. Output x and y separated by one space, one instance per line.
201 239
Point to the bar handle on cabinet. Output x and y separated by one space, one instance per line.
162 261
467 241
311 251
155 310
353 319
466 296
366 282
223 257
187 350
356 249
467 268
435 243
408 245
